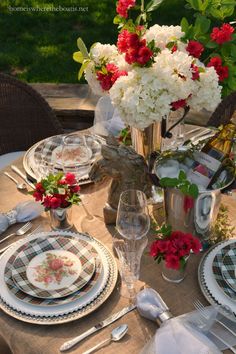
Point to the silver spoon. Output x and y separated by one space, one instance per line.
116 335
20 186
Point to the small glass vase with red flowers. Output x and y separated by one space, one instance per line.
57 193
172 249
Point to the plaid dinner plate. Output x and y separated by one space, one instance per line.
61 267
229 267
19 294
217 271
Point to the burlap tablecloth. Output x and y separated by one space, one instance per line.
24 338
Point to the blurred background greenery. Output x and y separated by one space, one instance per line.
37 46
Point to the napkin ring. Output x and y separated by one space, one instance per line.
11 216
163 317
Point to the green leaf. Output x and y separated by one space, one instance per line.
153 5
193 191
82 48
202 24
118 19
184 25
82 68
78 57
232 82
182 175
233 50
211 45
168 182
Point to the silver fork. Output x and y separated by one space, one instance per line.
203 325
2 250
21 231
206 313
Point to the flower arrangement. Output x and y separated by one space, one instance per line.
152 71
173 247
57 191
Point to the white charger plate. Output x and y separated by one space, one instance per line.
66 312
209 285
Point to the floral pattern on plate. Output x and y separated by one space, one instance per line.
21 263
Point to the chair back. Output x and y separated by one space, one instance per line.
25 116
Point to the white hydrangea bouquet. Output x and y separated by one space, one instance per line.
151 71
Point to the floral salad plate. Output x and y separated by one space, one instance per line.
53 268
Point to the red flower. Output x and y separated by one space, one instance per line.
154 249
55 202
70 178
123 6
195 72
222 71
75 189
188 203
196 245
109 78
222 34
47 201
172 261
174 48
136 50
195 48
178 104
39 188
38 196
144 55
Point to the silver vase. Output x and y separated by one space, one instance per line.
61 218
174 275
147 140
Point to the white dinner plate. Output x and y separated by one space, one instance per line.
207 279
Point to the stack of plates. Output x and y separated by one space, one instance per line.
49 151
217 277
55 277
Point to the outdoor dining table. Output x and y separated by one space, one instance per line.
18 337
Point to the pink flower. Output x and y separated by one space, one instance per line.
144 55
123 6
222 34
47 201
195 48
56 264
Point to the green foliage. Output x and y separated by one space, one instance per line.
180 183
222 230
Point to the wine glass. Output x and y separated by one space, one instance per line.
132 223
75 155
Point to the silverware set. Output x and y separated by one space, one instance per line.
207 318
19 186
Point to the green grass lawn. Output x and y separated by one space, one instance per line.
37 46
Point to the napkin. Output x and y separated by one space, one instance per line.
174 336
24 211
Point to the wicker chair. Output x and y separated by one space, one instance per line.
25 117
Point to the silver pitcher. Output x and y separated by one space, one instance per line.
197 220
200 217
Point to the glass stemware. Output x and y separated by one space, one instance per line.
76 155
132 224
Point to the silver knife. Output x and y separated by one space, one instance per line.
22 175
97 327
